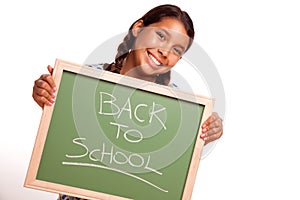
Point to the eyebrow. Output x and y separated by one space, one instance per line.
165 31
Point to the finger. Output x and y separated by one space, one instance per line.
46 81
215 124
214 128
50 69
49 79
210 119
44 93
42 88
213 131
210 132
213 121
213 137
41 100
40 92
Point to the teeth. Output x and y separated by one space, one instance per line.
154 60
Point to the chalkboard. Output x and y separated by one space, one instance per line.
110 136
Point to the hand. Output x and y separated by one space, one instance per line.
212 128
44 89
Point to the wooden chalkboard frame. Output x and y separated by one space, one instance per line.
60 66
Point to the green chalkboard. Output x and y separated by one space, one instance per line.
113 137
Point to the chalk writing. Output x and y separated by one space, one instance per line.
117 157
114 156
140 135
116 170
109 99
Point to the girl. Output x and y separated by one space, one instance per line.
153 45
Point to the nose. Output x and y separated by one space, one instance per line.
163 52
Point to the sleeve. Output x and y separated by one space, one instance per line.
65 197
96 66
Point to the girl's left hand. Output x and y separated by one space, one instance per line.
212 128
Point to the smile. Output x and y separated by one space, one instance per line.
155 61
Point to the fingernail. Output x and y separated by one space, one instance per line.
202 136
204 130
54 88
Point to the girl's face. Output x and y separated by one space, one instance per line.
158 47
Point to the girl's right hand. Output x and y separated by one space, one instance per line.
44 89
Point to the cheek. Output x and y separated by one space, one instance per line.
144 41
173 59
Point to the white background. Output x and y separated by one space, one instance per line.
255 46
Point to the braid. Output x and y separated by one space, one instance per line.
123 49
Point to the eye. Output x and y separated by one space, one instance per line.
178 51
160 35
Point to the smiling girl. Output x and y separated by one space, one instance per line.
152 47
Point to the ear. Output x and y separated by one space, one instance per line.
137 27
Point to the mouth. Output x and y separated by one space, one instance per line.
155 61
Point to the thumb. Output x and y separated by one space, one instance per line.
50 69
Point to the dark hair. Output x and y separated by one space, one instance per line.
155 15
